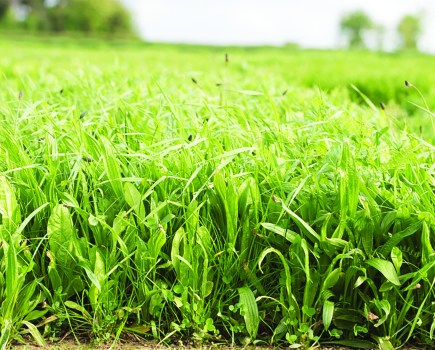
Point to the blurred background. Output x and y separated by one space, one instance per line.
386 25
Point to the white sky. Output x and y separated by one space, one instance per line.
310 23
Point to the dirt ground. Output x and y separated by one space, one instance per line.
73 346
154 346
150 346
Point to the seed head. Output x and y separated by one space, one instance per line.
226 58
218 253
382 106
284 92
49 256
190 138
275 199
372 316
82 115
20 95
194 81
408 84
61 91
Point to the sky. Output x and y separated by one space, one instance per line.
309 23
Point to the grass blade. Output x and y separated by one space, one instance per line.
386 268
249 311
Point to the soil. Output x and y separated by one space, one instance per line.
64 345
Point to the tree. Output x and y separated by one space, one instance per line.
96 16
119 19
86 16
354 25
409 30
36 19
4 7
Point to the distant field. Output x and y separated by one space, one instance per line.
215 195
380 76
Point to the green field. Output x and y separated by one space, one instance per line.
169 193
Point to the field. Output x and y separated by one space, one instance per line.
257 196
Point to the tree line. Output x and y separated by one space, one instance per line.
357 25
111 17
57 16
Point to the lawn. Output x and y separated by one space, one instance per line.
257 196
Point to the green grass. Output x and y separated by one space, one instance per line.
160 191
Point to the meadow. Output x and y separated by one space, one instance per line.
266 196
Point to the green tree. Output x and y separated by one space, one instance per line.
92 17
119 19
354 26
86 16
409 30
4 7
36 19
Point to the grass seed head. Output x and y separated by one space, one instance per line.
20 95
194 81
49 256
382 105
371 316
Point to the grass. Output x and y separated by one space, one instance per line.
167 193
